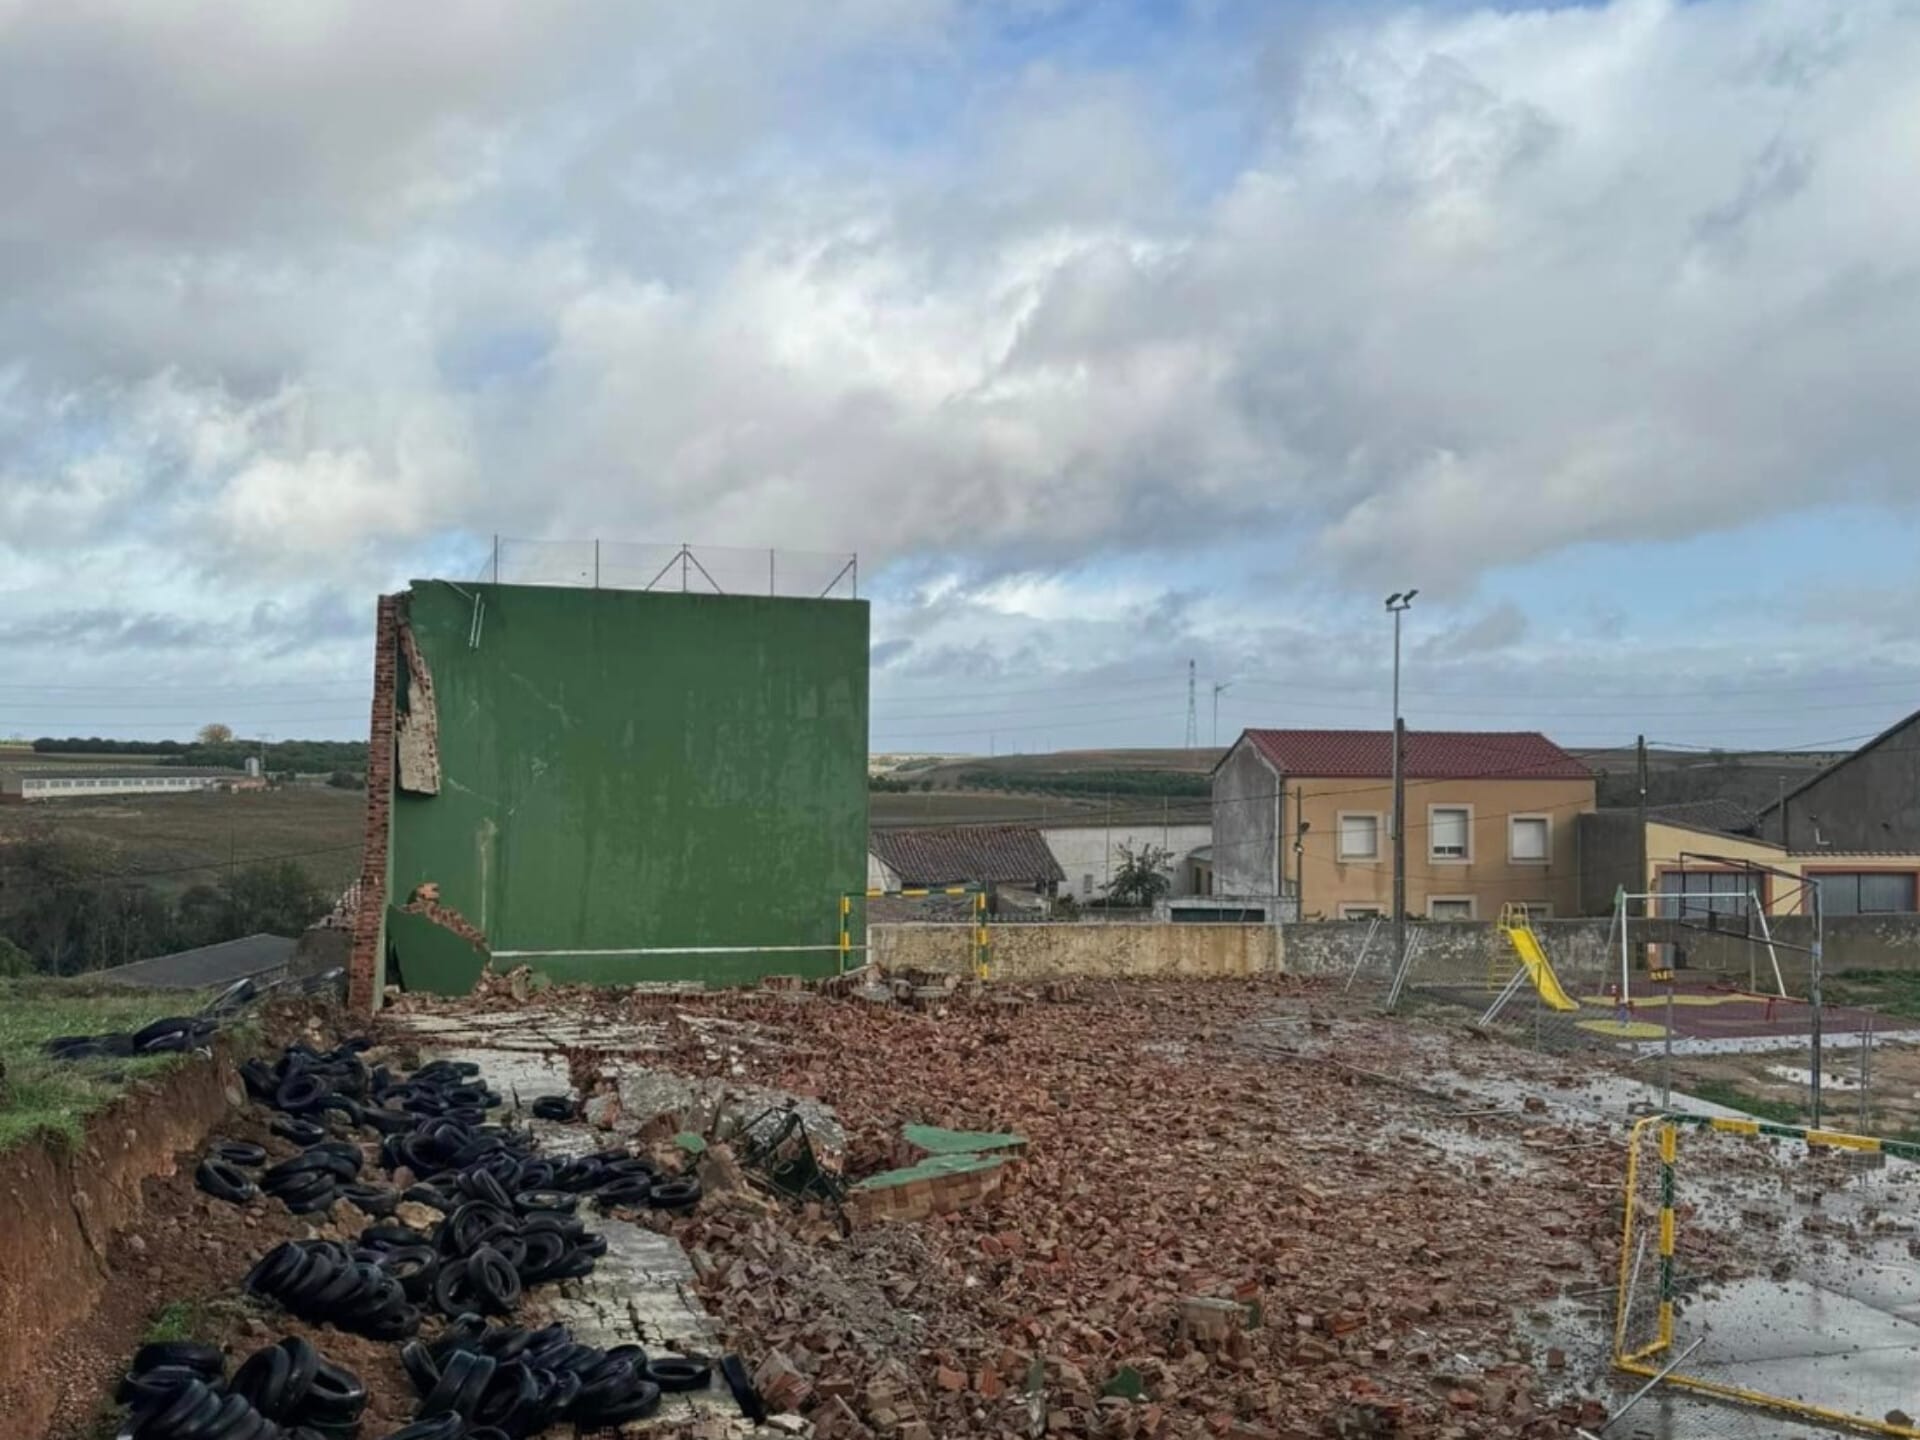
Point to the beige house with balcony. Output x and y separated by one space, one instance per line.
1303 823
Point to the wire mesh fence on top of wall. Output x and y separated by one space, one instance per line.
1475 967
693 569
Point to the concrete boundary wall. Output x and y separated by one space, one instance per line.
1063 951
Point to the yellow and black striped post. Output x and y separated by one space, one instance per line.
982 944
1639 1361
978 936
1669 1152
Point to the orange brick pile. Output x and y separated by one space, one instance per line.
1365 1284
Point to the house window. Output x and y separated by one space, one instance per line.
1534 909
1362 912
1866 892
1450 907
1359 836
1700 893
1450 831
1529 839
1086 884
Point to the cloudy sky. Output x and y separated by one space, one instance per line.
1112 334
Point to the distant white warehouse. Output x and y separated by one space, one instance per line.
72 782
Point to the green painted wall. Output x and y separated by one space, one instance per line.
625 770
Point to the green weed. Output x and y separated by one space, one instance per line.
1725 1092
1892 992
176 1320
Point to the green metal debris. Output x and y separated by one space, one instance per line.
932 1168
1126 1383
937 1141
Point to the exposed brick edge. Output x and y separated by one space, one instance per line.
363 967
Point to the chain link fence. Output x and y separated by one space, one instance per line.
691 569
1477 969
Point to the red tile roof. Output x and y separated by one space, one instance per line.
967 854
1429 755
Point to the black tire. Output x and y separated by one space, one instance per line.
682 1193
301 1092
555 1107
264 1380
300 1132
148 1388
190 1412
432 1196
422 1369
233 1419
208 1361
336 1397
740 1382
170 1025
243 1153
258 1077
463 1380
224 1181
318 1157
376 1200
675 1373
448 1426
494 1280
630 1191
511 1401
556 1201
277 1270
305 1362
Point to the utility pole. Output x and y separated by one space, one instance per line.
1640 848
1815 961
1219 685
1397 605
1193 711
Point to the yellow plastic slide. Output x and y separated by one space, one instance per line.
1527 946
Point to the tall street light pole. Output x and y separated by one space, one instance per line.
1218 686
1397 604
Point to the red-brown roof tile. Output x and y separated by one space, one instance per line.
962 854
1429 754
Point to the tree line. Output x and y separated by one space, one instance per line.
308 757
63 910
1178 783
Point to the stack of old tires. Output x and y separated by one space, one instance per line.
178 1390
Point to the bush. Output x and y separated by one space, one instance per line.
14 962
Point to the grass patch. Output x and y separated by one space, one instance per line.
1892 992
1725 1092
43 1096
176 1320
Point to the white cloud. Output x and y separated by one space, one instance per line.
314 290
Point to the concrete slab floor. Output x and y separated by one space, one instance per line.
641 1292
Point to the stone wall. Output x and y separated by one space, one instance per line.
1048 952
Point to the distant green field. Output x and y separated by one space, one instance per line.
181 840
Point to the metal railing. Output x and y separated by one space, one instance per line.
690 569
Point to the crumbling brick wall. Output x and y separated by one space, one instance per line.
363 968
